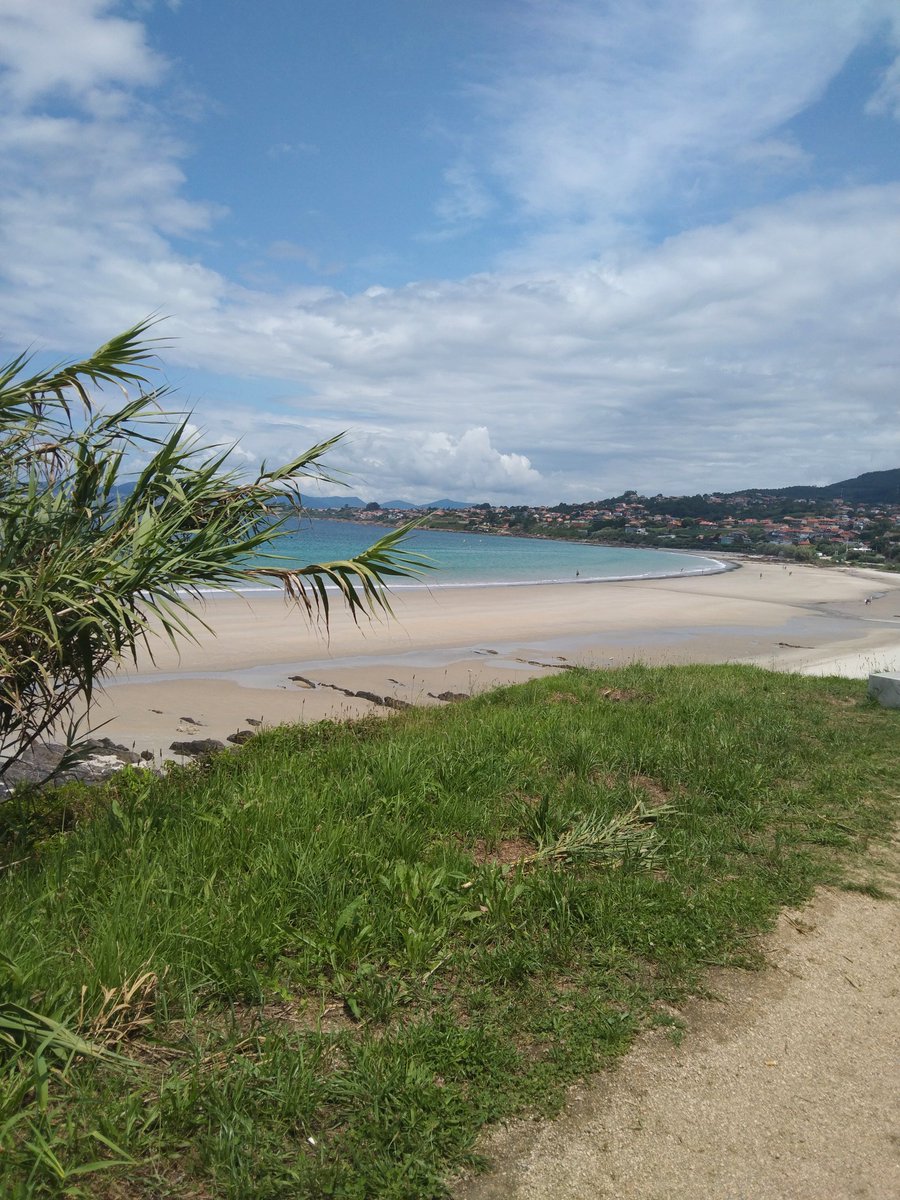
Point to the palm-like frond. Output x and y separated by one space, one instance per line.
86 571
122 361
625 836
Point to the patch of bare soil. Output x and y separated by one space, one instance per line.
299 1014
655 795
785 1086
502 853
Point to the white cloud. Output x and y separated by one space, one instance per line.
466 200
757 350
434 464
75 47
608 109
760 351
886 99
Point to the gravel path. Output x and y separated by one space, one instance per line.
785 1087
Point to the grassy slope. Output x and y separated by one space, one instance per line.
328 994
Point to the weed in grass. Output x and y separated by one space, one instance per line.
674 1026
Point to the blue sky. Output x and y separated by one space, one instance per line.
520 249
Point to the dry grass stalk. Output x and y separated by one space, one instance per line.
125 1011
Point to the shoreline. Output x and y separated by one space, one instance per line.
267 666
428 586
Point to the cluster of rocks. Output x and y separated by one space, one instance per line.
198 747
372 697
96 759
386 701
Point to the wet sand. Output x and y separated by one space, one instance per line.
465 640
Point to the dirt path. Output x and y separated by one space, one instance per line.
786 1087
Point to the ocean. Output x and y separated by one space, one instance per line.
473 559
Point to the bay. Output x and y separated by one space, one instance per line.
473 559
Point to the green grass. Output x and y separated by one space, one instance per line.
317 977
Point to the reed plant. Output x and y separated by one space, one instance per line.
115 515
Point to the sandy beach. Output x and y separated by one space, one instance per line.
463 640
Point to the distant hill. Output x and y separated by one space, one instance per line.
333 502
404 504
355 502
874 487
125 489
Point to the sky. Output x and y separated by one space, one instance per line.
522 251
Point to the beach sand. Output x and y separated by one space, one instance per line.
467 639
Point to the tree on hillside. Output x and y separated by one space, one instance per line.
90 567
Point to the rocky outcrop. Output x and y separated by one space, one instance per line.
94 760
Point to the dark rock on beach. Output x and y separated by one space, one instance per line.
372 697
100 746
197 747
240 736
384 701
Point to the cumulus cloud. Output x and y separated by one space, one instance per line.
435 464
78 48
731 353
93 188
378 462
727 354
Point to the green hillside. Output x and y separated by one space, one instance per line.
874 487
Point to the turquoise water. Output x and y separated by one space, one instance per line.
470 559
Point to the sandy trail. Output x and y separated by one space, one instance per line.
785 1087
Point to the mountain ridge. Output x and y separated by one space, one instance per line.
872 487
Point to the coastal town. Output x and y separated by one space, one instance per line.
801 528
